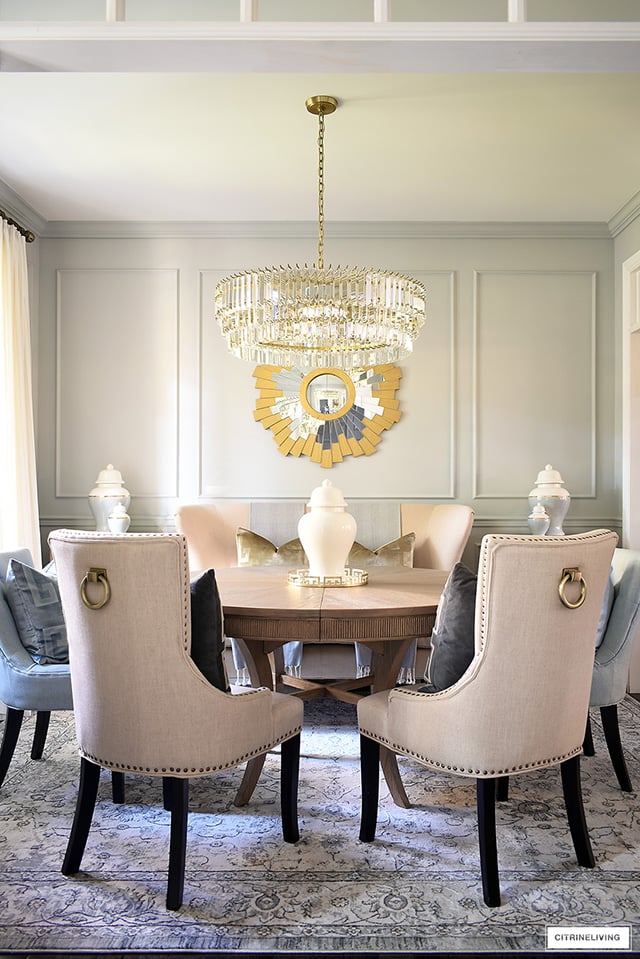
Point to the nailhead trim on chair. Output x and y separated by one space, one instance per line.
175 770
192 771
463 770
486 773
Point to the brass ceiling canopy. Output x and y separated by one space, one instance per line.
313 316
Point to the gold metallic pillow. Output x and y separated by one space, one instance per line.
399 552
255 550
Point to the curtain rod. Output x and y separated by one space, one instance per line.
27 234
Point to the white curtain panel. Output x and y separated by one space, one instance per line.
19 519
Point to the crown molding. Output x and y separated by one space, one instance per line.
625 215
119 229
19 210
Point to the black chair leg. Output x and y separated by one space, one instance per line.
40 734
289 771
85 804
486 803
502 788
587 744
179 789
370 784
611 730
572 790
12 724
166 793
117 787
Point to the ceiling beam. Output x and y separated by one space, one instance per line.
320 47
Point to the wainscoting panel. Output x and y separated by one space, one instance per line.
534 380
117 379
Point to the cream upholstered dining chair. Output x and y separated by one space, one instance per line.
522 703
141 705
441 535
613 655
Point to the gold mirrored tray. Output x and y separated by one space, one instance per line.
350 577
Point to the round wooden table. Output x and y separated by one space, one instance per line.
263 611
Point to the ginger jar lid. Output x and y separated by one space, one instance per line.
109 483
327 496
109 476
538 512
548 475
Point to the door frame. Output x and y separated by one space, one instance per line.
631 423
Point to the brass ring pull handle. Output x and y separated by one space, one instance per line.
95 575
572 576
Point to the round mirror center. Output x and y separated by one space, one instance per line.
327 393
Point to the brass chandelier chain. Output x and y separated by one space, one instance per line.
320 106
321 191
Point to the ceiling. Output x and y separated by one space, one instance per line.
156 136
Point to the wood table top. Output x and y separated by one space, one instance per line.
393 604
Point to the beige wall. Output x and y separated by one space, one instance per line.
515 368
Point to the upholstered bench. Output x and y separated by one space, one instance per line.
240 533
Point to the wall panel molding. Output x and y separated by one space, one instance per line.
534 380
117 375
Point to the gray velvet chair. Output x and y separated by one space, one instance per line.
494 722
25 684
611 667
141 705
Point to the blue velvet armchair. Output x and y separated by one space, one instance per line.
25 684
611 667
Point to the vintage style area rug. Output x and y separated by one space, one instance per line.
415 890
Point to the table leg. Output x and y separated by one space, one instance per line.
387 659
249 780
257 662
261 675
391 773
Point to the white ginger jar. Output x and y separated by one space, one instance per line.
550 493
539 521
106 495
119 519
327 532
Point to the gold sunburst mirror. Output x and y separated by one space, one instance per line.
327 413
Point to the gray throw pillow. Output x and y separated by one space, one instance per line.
207 637
34 598
452 639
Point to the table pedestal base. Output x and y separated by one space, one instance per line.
387 657
343 689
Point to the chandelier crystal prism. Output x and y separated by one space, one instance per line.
312 316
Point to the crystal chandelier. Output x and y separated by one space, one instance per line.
314 316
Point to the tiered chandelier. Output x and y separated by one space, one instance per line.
313 316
